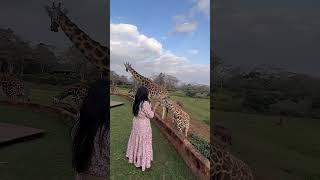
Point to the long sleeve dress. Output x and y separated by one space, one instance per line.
139 149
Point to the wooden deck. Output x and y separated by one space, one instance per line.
10 133
115 104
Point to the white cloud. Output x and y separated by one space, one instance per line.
148 57
186 27
183 24
203 6
193 51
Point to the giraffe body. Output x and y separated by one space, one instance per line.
180 118
227 166
132 93
77 92
114 90
14 88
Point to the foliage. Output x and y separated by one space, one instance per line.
195 90
202 145
259 102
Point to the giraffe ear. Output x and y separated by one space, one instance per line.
48 10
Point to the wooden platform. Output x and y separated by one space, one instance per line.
11 133
115 104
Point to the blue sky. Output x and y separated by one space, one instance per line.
181 27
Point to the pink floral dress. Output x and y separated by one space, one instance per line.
139 149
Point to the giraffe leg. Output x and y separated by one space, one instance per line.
163 112
186 130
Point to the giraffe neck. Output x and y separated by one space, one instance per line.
138 77
169 104
65 93
92 50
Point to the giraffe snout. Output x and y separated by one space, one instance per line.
54 27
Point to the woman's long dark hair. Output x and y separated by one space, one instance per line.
93 115
141 96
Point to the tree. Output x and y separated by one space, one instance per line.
171 82
160 79
81 66
13 51
44 56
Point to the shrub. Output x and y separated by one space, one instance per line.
202 145
259 102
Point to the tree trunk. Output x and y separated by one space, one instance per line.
11 68
21 70
82 77
42 68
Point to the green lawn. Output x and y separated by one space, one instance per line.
167 163
289 152
47 157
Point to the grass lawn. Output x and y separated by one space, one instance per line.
289 152
47 157
167 162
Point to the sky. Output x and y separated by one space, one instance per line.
169 36
30 21
283 33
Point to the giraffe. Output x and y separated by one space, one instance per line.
114 90
14 88
77 91
180 118
155 91
226 165
131 93
94 52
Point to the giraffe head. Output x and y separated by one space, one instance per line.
128 66
55 100
55 13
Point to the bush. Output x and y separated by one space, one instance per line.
202 145
259 102
191 93
178 93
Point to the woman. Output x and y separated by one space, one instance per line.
139 149
90 135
